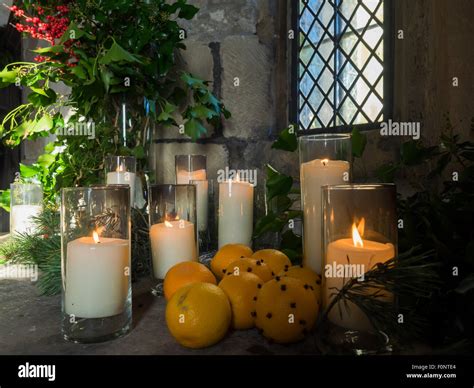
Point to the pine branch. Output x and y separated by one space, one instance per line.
411 278
44 247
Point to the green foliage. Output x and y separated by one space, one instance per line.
43 248
287 140
113 53
359 141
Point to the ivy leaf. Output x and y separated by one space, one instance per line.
8 76
46 160
201 112
167 112
209 98
277 183
117 53
28 171
286 140
39 100
39 91
187 11
192 82
194 128
42 125
359 141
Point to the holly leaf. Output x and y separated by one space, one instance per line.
74 32
117 53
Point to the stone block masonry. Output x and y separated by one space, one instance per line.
233 44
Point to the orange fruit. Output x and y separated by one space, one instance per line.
186 273
226 255
198 315
275 259
242 293
286 310
247 264
309 278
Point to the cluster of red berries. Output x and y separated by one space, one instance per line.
52 27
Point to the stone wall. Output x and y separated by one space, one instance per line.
230 42
243 38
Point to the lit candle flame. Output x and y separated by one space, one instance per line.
120 168
361 227
168 224
324 162
95 236
356 239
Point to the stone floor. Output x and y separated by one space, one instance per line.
30 324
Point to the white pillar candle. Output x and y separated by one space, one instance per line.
97 277
361 255
184 177
202 204
21 218
172 242
123 178
235 213
199 178
314 175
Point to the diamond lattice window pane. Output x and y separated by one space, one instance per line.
342 58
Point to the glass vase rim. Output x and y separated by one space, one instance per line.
120 156
178 155
155 185
360 186
325 136
26 184
104 187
